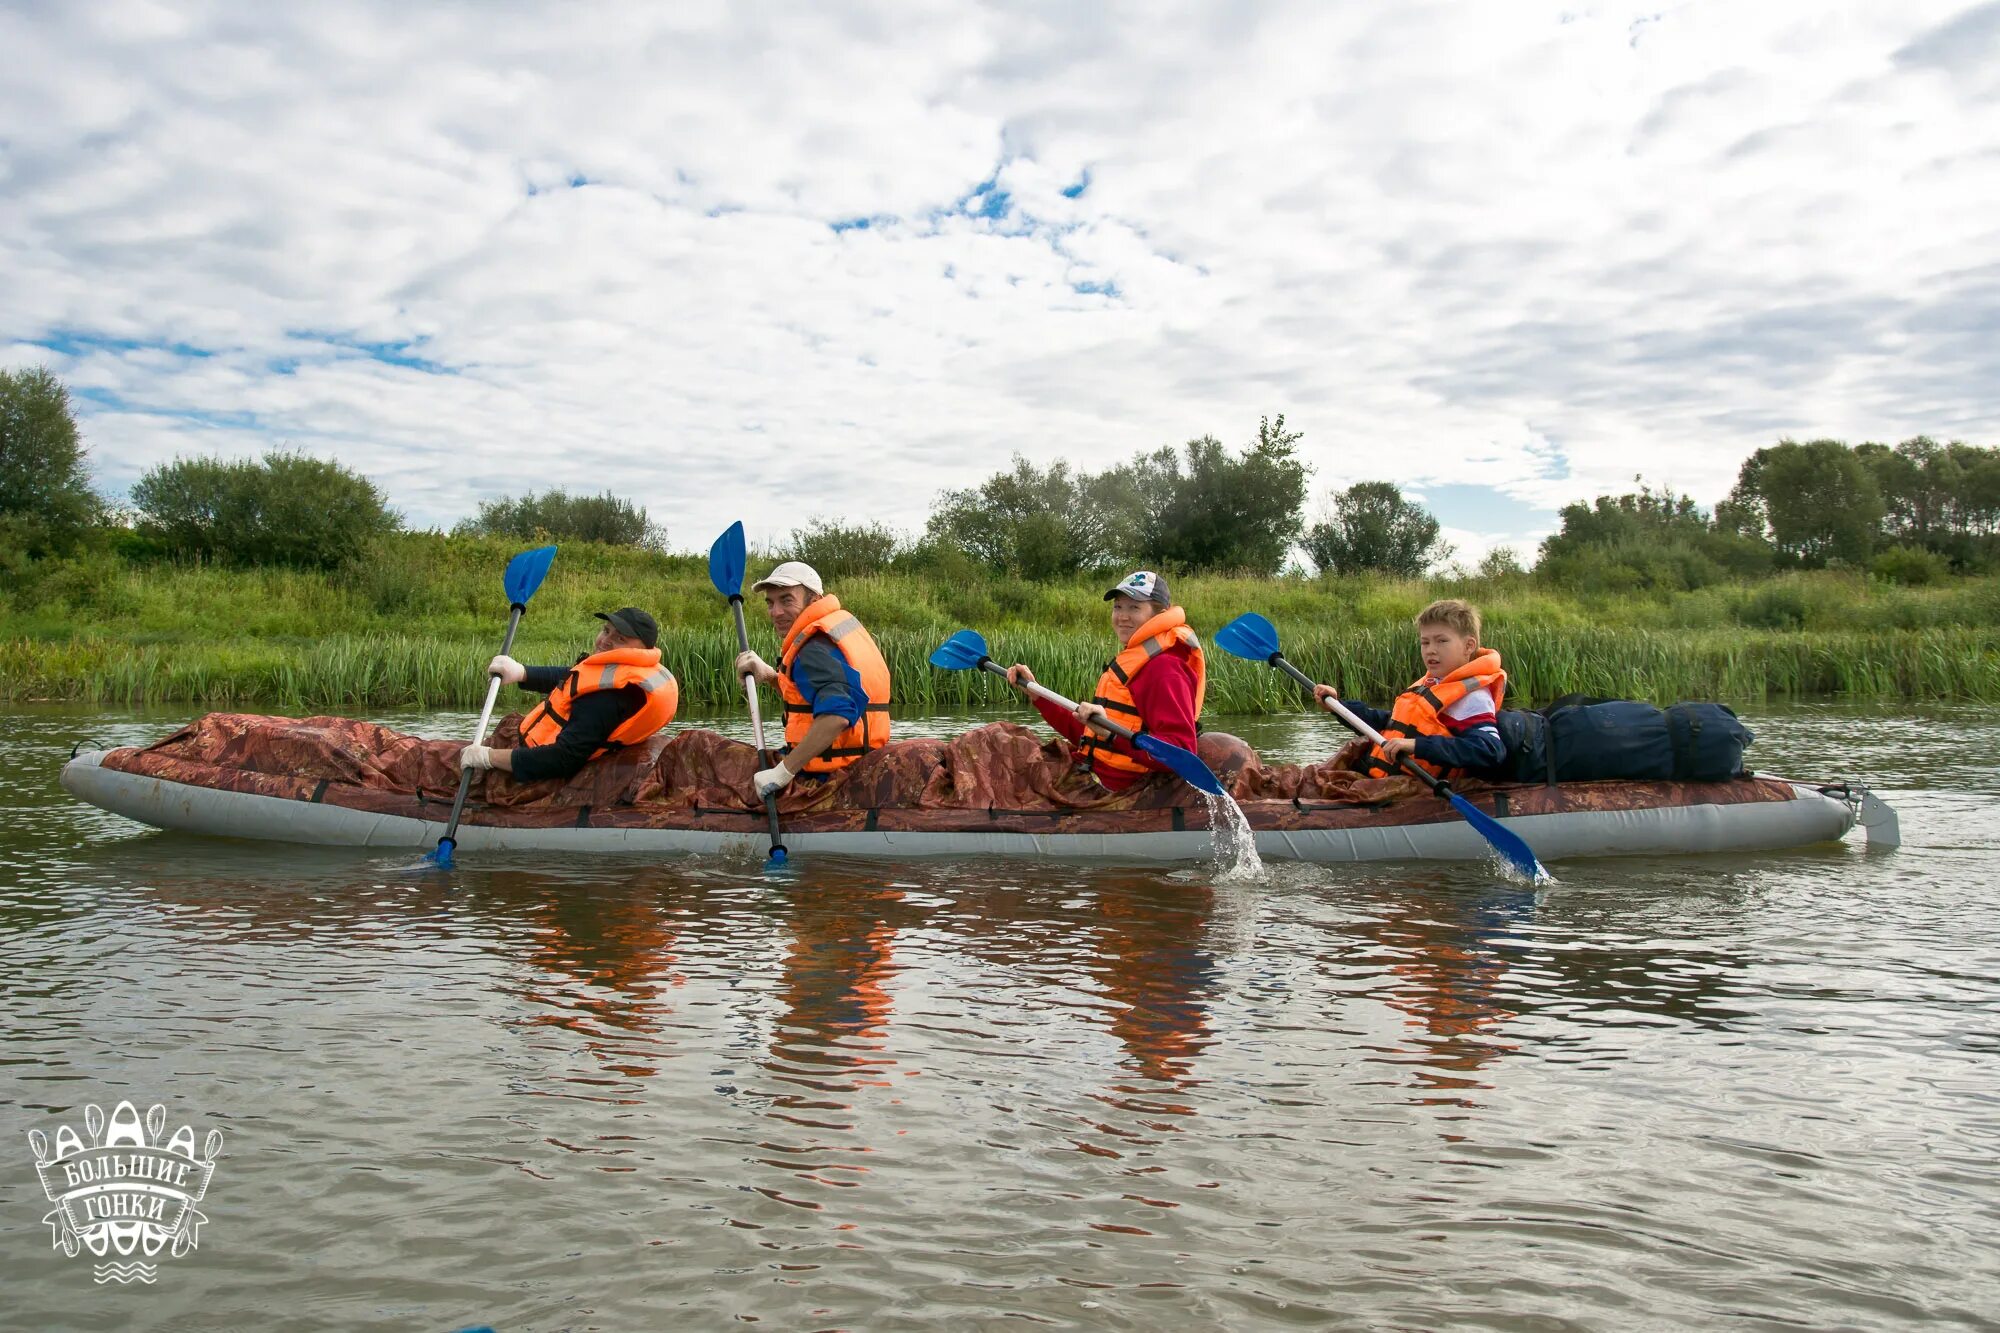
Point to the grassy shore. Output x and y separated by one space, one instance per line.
414 624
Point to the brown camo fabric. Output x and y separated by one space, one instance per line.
996 778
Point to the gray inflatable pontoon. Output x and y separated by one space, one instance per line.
1813 815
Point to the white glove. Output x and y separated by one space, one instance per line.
476 756
507 669
770 781
749 664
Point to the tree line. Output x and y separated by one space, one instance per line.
1912 512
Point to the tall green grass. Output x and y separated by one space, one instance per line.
358 672
414 625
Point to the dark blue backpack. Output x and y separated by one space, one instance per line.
1708 741
1600 740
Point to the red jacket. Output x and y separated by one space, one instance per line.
1164 691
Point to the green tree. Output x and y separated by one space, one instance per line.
1371 527
560 516
1944 498
288 509
1028 522
1814 502
46 502
842 550
1200 509
1645 539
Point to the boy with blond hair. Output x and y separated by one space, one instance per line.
1447 720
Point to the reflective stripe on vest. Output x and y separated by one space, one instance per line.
856 647
614 669
1114 692
1419 710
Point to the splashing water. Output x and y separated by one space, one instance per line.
1235 843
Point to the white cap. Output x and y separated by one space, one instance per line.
791 574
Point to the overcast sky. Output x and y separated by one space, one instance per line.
771 262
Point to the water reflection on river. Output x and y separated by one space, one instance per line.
549 1093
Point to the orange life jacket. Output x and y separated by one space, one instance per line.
1114 687
824 616
1419 710
613 669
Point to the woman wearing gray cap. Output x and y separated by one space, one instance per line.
616 695
830 674
1156 685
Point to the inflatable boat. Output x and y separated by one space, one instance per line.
338 782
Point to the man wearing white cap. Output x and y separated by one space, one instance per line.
830 675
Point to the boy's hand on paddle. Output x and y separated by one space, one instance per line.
476 756
507 669
1093 717
1322 693
749 664
1019 675
1398 746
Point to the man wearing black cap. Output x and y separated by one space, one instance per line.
616 695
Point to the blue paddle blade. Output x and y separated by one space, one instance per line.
440 856
961 652
1249 635
726 560
525 573
1186 763
1520 858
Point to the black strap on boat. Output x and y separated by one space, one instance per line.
582 817
868 825
1499 805
1180 819
319 791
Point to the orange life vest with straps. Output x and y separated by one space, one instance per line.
613 669
825 616
1114 687
1419 710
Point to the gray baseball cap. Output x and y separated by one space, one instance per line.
1142 586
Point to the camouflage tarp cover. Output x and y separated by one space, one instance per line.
994 778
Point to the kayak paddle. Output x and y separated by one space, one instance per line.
1252 637
525 573
966 651
725 570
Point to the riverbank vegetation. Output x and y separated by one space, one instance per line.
414 621
1828 570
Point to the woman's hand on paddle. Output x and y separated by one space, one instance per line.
1019 675
507 669
749 664
1322 693
1093 717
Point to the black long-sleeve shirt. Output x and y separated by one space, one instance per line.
1477 747
592 719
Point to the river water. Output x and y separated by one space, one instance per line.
546 1093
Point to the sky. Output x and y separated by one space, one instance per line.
779 262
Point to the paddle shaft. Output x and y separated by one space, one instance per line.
1438 786
485 716
756 721
1041 691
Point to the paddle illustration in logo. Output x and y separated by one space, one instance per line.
127 1193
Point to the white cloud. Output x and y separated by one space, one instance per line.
1535 247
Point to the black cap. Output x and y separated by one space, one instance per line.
633 624
1142 586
